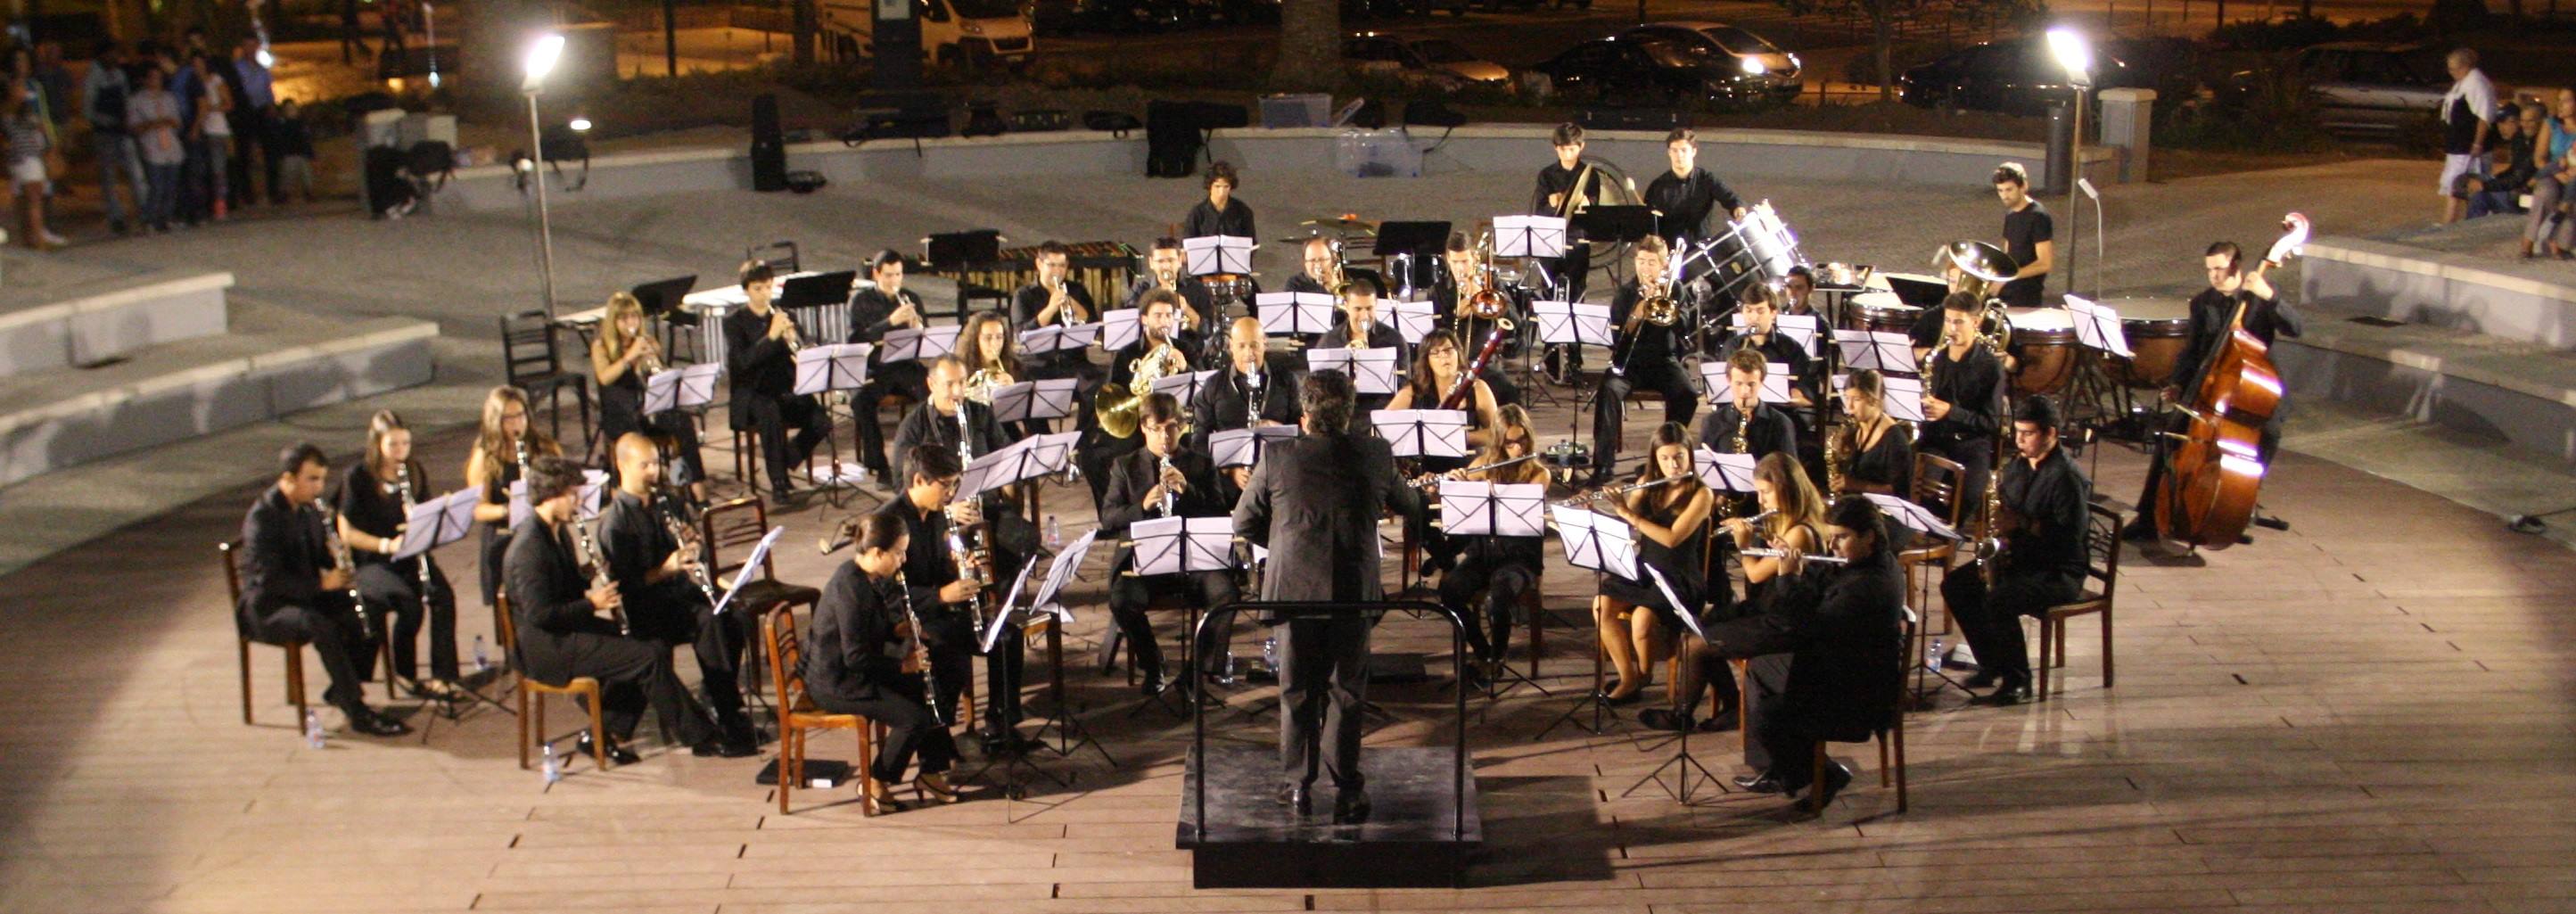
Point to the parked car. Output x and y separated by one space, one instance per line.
2020 76
2372 88
1460 7
952 31
1116 17
1729 46
1436 60
1653 69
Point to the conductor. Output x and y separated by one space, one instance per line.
1315 501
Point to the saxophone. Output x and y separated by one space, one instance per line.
1834 457
913 653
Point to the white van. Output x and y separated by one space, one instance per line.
974 32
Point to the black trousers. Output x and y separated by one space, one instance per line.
771 417
674 613
251 130
1485 575
336 634
633 675
1990 618
907 378
395 588
1206 590
911 729
1766 682
953 643
1610 405
1788 746
1321 690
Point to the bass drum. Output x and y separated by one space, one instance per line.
2159 330
1880 311
2043 348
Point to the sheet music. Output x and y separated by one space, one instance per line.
1529 236
1473 508
1372 371
1042 340
1173 545
675 388
1799 328
1207 255
992 633
1724 472
1241 447
1412 320
1879 349
1293 313
1067 564
2098 326
1118 328
1423 432
758 552
1913 515
1690 618
840 366
1572 323
919 344
1027 400
437 522
1183 386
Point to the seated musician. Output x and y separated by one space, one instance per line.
935 519
1221 213
1163 273
1319 272
562 636
1761 335
1963 394
863 640
1462 278
934 422
1159 342
657 582
1875 452
2267 315
1633 615
760 367
1054 300
291 591
1798 296
1743 424
1256 387
1791 514
622 358
2044 496
1165 479
1359 309
1842 627
374 504
1643 356
1437 368
989 349
1493 573
878 306
502 449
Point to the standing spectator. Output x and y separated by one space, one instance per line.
2465 110
254 94
22 119
212 138
2556 156
104 96
190 204
350 35
291 140
55 79
154 116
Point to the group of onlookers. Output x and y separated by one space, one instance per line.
175 129
2494 154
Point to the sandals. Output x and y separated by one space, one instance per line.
935 786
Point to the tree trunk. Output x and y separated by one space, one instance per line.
1882 45
1310 46
807 23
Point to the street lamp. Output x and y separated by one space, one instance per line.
540 60
2074 52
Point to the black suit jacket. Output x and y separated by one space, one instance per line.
755 365
1314 502
1132 475
542 574
1223 404
634 541
855 653
1771 431
925 424
1846 625
283 555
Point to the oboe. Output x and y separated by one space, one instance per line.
912 652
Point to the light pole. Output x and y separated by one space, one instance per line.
2074 52
540 61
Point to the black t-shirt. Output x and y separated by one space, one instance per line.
2024 229
1688 203
374 506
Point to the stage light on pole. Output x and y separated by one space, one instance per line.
541 58
2074 51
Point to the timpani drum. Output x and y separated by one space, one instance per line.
2159 330
2043 347
1879 311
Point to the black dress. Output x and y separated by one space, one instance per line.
375 508
1889 463
1679 564
621 410
495 540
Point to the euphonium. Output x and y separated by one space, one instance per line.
1116 406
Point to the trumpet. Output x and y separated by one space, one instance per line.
1776 553
1063 312
1615 491
651 362
1429 481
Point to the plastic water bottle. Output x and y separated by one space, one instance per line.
552 771
482 656
1233 667
1055 533
1270 653
1933 662
314 738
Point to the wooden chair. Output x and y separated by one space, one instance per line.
1937 481
1890 738
797 713
530 363
243 637
532 692
2102 565
739 523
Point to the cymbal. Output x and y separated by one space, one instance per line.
1346 222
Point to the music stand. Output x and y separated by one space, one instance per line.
1798 327
1423 432
661 296
2098 330
1027 458
1184 386
1572 323
1066 720
1605 545
1682 762
988 640
1118 328
1472 508
1241 447
1400 243
1059 338
1879 350
1615 224
1412 320
1293 313
922 344
958 251
1913 516
816 289
759 552
1902 399
1181 545
429 525
824 369
1372 371
1775 381
1529 236
1723 472
586 499
1209 255
681 388
1033 400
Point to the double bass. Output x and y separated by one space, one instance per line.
2216 471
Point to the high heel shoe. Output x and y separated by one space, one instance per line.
935 787
880 800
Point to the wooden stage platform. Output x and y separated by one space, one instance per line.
2371 713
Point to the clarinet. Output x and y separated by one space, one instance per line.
402 484
685 538
340 557
599 579
912 650
1253 406
969 543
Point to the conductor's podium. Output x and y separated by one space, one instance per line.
1421 832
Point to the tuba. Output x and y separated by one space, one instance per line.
1990 265
1116 406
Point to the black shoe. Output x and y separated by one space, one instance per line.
2011 694
2140 531
1616 701
1664 719
728 746
1350 806
1758 783
1983 680
1154 684
367 721
1837 777
1475 679
616 754
1298 797
1722 721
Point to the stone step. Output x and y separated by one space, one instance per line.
2516 390
95 322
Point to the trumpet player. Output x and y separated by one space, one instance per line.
878 306
1165 479
2044 497
1256 387
655 574
621 359
1963 394
760 367
374 507
1644 355
1163 273
1632 615
563 636
1054 300
1319 272
1161 351
862 641
291 592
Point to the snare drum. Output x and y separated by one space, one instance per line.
2159 329
1227 287
1879 311
2043 343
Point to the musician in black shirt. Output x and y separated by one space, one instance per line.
1761 335
878 306
1686 198
374 504
1054 300
1563 189
1165 479
1876 452
1643 355
1462 278
1163 271
2044 497
1257 387
1728 430
1221 213
760 365
855 664
290 592
2214 315
1963 397
2029 236
1359 309
934 422
620 361
934 516
667 601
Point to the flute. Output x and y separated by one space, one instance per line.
1427 481
1776 553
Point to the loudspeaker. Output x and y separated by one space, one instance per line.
768 146
1629 118
1430 112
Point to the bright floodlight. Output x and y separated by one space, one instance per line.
579 124
2074 52
542 55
